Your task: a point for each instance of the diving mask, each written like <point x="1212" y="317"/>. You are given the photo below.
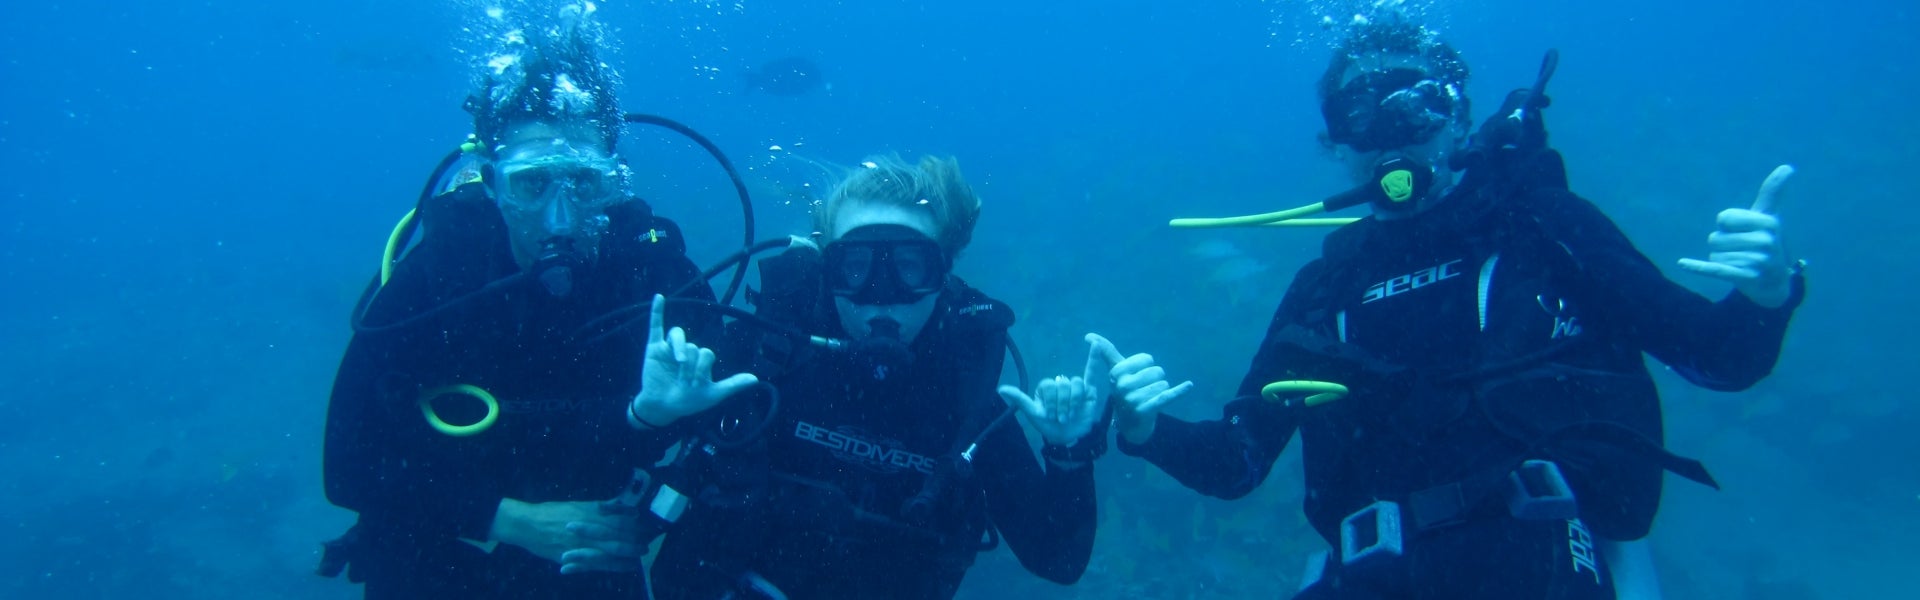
<point x="586" y="180"/>
<point x="554" y="198"/>
<point x="885" y="264"/>
<point x="1394" y="108"/>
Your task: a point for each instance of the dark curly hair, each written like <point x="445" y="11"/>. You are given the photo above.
<point x="1395" y="35"/>
<point x="557" y="77"/>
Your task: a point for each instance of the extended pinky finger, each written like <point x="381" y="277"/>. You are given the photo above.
<point x="1716" y="270"/>
<point x="1167" y="396"/>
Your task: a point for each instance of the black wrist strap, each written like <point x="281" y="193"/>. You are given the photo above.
<point x="633" y="412"/>
<point x="1088" y="448"/>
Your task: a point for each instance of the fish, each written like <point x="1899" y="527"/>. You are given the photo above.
<point x="1215" y="249"/>
<point x="388" y="56"/>
<point x="1236" y="270"/>
<point x="158" y="457"/>
<point x="1231" y="269"/>
<point x="790" y="77"/>
<point x="1230" y="265"/>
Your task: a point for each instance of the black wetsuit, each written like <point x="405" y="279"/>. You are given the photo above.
<point x="1497" y="327"/>
<point x="561" y="433"/>
<point x="817" y="507"/>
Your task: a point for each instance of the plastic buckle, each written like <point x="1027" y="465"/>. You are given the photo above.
<point x="661" y="500"/>
<point x="1371" y="534"/>
<point x="669" y="504"/>
<point x="636" y="490"/>
<point x="1538" y="491"/>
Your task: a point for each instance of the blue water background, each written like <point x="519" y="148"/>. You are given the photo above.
<point x="193" y="193"/>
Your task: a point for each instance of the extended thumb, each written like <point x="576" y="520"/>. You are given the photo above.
<point x="1019" y="399"/>
<point x="1099" y="346"/>
<point x="739" y="382"/>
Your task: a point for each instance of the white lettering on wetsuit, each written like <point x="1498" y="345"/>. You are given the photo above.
<point x="851" y="448"/>
<point x="1580" y="545"/>
<point x="970" y="310"/>
<point x="549" y="405"/>
<point x="1412" y="281"/>
<point x="1565" y="325"/>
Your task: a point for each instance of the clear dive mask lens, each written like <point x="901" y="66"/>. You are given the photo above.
<point x="1395" y="108"/>
<point x="531" y="185"/>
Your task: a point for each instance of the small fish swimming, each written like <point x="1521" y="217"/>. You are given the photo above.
<point x="394" y="57"/>
<point x="1241" y="275"/>
<point x="1215" y="249"/>
<point x="1236" y="270"/>
<point x="789" y="77"/>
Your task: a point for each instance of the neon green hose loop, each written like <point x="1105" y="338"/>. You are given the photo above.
<point x="1319" y="392"/>
<point x="433" y="418"/>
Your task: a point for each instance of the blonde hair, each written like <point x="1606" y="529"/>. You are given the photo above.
<point x="934" y="186"/>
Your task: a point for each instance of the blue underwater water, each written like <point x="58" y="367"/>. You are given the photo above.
<point x="192" y="195"/>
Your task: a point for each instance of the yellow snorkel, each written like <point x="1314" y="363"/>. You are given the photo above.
<point x="1395" y="181"/>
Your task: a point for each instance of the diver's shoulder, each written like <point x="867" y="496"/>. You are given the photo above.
<point x="1549" y="197"/>
<point x="974" y="309"/>
<point x="466" y="209"/>
<point x="1349" y="239"/>
<point x="636" y="227"/>
<point x="1559" y="205"/>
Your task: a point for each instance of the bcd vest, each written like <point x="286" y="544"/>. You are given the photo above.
<point x="1469" y="344"/>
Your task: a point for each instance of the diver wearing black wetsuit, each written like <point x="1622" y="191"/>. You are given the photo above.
<point x="1500" y="322"/>
<point x="888" y="466"/>
<point x="476" y="422"/>
<point x="1397" y="316"/>
<point x="427" y="499"/>
<point x="849" y="451"/>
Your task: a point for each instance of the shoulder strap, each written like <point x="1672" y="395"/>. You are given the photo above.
<point x="790" y="295"/>
<point x="976" y="312"/>
<point x="652" y="235"/>
<point x="789" y="287"/>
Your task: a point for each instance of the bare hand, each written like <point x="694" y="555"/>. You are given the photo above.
<point x="676" y="379"/>
<point x="1746" y="249"/>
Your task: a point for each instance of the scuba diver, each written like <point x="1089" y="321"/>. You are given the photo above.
<point x="884" y="462"/>
<point x="475" y="438"/>
<point x="1465" y="367"/>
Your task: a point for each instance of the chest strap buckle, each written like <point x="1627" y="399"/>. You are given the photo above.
<point x="1537" y="490"/>
<point x="1371" y="536"/>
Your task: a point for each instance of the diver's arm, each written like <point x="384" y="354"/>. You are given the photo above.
<point x="1047" y="515"/>
<point x="380" y="458"/>
<point x="677" y="358"/>
<point x="377" y="459"/>
<point x="1224" y="458"/>
<point x="1229" y="457"/>
<point x="1727" y="345"/>
<point x="1046" y="512"/>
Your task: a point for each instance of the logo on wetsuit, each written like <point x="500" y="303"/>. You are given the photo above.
<point x="1580" y="545"/>
<point x="1412" y="281"/>
<point x="1565" y="325"/>
<point x="545" y="405"/>
<point x="853" y="446"/>
<point x="970" y="310"/>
